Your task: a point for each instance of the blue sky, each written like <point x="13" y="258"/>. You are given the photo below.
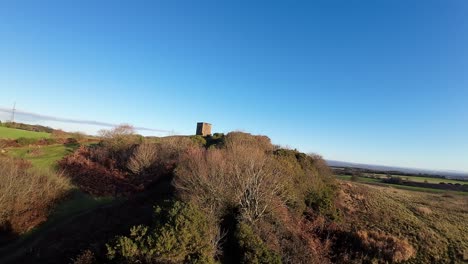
<point x="382" y="82"/>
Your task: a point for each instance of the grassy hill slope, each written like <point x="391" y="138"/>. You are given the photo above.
<point x="435" y="223"/>
<point x="12" y="133"/>
<point x="43" y="157"/>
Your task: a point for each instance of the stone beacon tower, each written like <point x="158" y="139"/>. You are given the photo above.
<point x="203" y="129"/>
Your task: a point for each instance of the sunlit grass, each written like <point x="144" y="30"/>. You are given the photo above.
<point x="13" y="133"/>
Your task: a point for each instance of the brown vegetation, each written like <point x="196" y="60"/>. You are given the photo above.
<point x="239" y="175"/>
<point x="26" y="196"/>
<point x="433" y="224"/>
<point x="264" y="189"/>
<point x="385" y="247"/>
<point x="143" y="158"/>
<point x="120" y="165"/>
<point x="241" y="200"/>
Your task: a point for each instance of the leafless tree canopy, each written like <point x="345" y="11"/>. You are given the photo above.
<point x="118" y="138"/>
<point x="241" y="175"/>
<point x="144" y="156"/>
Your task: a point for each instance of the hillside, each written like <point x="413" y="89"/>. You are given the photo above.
<point x="435" y="223"/>
<point x="232" y="198"/>
<point x="13" y="133"/>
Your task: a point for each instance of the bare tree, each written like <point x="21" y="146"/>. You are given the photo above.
<point x="241" y="175"/>
<point x="143" y="158"/>
<point x="118" y="138"/>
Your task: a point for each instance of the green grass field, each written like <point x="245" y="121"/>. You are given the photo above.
<point x="421" y="179"/>
<point x="374" y="181"/>
<point x="42" y="157"/>
<point x="12" y="133"/>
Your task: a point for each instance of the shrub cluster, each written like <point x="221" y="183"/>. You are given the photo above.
<point x="251" y="249"/>
<point x="121" y="164"/>
<point x="26" y="195"/>
<point x="262" y="188"/>
<point x="181" y="234"/>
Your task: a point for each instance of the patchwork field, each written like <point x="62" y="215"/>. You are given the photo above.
<point x="379" y="182"/>
<point x="420" y="179"/>
<point x="12" y="133"/>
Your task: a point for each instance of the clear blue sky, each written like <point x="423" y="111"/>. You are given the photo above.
<point x="382" y="82"/>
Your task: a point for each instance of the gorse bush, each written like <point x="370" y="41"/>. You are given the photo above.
<point x="312" y="181"/>
<point x="199" y="140"/>
<point x="181" y="234"/>
<point x="251" y="249"/>
<point x="322" y="201"/>
<point x="26" y="195"/>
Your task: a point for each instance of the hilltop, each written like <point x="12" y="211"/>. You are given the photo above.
<point x="233" y="198"/>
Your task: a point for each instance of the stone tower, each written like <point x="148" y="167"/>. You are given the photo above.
<point x="203" y="129"/>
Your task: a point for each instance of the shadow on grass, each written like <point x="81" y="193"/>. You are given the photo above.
<point x="84" y="222"/>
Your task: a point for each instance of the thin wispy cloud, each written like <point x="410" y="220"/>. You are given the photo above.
<point x="36" y="116"/>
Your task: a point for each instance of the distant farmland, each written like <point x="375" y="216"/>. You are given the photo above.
<point x="12" y="133"/>
<point x="420" y="178"/>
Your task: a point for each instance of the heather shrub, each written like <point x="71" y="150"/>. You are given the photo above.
<point x="26" y="195"/>
<point x="181" y="234"/>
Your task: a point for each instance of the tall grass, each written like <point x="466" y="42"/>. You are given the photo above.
<point x="27" y="195"/>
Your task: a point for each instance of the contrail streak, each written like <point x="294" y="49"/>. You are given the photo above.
<point x="74" y="121"/>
